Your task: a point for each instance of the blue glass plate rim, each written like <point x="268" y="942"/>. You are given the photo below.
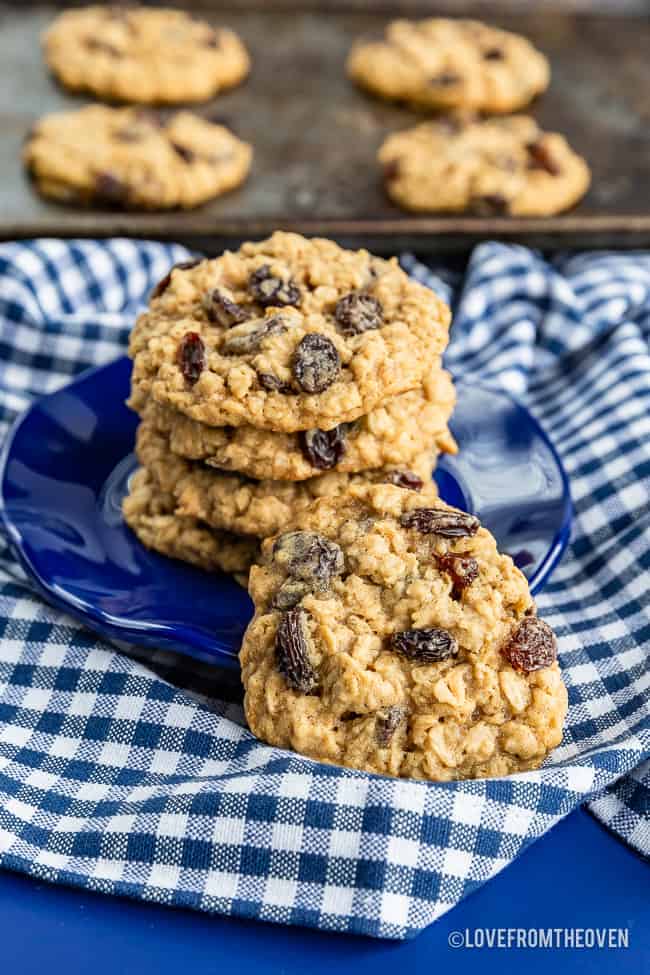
<point x="563" y="534"/>
<point x="125" y="630"/>
<point x="118" y="629"/>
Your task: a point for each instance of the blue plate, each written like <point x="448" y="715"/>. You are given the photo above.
<point x="64" y="471"/>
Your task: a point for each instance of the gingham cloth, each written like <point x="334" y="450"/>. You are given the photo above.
<point x="113" y="779"/>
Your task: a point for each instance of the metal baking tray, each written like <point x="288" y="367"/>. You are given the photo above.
<point x="315" y="135"/>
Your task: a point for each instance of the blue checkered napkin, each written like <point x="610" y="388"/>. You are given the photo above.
<point x="113" y="779"/>
<point x="625" y="808"/>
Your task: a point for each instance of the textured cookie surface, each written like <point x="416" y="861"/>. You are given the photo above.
<point x="131" y="158"/>
<point x="497" y="166"/>
<point x="235" y="503"/>
<point x="145" y="55"/>
<point x="150" y="513"/>
<point x="403" y="428"/>
<point x="395" y="638"/>
<point x="441" y="64"/>
<point x="286" y="334"/>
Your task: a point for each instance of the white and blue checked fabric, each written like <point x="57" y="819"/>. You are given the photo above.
<point x="114" y="779"/>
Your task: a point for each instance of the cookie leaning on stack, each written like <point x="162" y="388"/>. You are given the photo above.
<point x="390" y="635"/>
<point x="269" y="377"/>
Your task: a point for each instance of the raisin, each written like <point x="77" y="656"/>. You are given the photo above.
<point x="490" y="205"/>
<point x="391" y="170"/>
<point x="289" y="594"/>
<point x="267" y="289"/>
<point x="164" y="283"/>
<point x="531" y="645"/>
<point x="292" y="644"/>
<point x="323" y="448"/>
<point x="446" y="522"/>
<point x="356" y="313"/>
<point x="463" y="570"/>
<point x="522" y="558"/>
<point x="222" y="310"/>
<point x="110" y="189"/>
<point x="387" y="722"/>
<point x="271" y="383"/>
<point x="187" y="155"/>
<point x="445" y="79"/>
<point x="541" y="158"/>
<point x="426" y="646"/>
<point x="493" y="54"/>
<point x="310" y="558"/>
<point x="246" y="338"/>
<point x="405" y="479"/>
<point x="316" y="363"/>
<point x="191" y="357"/>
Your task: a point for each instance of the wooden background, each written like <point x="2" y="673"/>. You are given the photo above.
<point x="315" y="136"/>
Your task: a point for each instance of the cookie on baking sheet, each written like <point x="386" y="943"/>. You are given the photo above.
<point x="491" y="167"/>
<point x="236" y="503"/>
<point x="390" y="635"/>
<point x="286" y="334"/>
<point x="140" y="54"/>
<point x="394" y="433"/>
<point x="131" y="158"/>
<point x="150" y="514"/>
<point x="442" y="64"/>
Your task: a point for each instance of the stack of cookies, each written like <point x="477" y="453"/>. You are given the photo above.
<point x="267" y="378"/>
<point x="292" y="406"/>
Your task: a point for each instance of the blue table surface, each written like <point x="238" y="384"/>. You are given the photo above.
<point x="578" y="875"/>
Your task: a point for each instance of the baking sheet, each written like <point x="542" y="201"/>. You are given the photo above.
<point x="316" y="136"/>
